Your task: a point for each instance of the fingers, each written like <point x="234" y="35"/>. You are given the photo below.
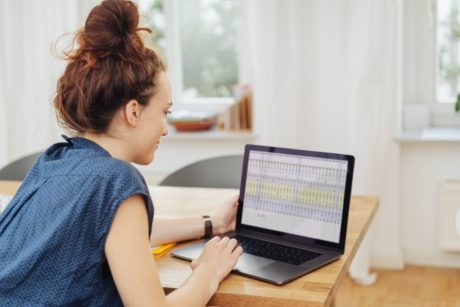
<point x="215" y="239"/>
<point x="224" y="244"/>
<point x="237" y="252"/>
<point x="194" y="263"/>
<point x="217" y="246"/>
<point x="235" y="201"/>
<point x="231" y="245"/>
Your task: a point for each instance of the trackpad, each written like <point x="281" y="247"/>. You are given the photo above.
<point x="246" y="263"/>
<point x="250" y="263"/>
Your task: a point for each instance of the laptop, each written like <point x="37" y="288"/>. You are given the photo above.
<point x="292" y="214"/>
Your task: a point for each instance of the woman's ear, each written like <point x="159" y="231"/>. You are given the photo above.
<point x="132" y="112"/>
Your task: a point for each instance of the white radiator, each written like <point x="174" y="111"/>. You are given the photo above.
<point x="449" y="215"/>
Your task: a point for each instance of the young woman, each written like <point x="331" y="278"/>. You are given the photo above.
<point x="77" y="231"/>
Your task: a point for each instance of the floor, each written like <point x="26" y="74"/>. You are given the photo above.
<point x="413" y="286"/>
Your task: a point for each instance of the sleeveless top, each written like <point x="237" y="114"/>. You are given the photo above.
<point x="52" y="234"/>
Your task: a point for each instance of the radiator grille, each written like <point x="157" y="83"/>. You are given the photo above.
<point x="449" y="208"/>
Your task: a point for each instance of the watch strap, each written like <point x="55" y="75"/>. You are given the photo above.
<point x="207" y="226"/>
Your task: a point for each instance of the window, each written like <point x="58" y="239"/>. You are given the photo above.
<point x="430" y="61"/>
<point x="199" y="39"/>
<point x="448" y="51"/>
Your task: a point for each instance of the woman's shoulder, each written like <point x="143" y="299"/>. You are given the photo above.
<point x="111" y="170"/>
<point x="111" y="166"/>
<point x="79" y="163"/>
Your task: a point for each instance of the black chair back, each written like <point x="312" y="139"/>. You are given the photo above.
<point x="218" y="172"/>
<point x="17" y="170"/>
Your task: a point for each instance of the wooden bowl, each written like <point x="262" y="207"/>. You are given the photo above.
<point x="195" y="125"/>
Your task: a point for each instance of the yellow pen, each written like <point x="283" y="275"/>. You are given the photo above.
<point x="161" y="250"/>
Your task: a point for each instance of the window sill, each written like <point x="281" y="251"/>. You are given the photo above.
<point x="210" y="135"/>
<point x="431" y="134"/>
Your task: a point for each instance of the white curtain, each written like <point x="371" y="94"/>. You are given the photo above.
<point x="324" y="75"/>
<point x="29" y="71"/>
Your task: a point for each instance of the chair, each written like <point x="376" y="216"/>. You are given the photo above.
<point x="218" y="172"/>
<point x="18" y="169"/>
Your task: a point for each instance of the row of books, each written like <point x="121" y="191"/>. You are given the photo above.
<point x="238" y="117"/>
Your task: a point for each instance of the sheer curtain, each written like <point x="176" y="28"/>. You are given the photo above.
<point x="29" y="71"/>
<point x="325" y="77"/>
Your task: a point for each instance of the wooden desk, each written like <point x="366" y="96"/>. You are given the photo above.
<point x="314" y="289"/>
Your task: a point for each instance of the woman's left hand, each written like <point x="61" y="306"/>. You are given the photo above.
<point x="224" y="219"/>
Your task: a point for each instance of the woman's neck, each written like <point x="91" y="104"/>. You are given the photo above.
<point x="116" y="146"/>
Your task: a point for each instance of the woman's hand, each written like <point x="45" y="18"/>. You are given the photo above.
<point x="218" y="258"/>
<point x="224" y="219"/>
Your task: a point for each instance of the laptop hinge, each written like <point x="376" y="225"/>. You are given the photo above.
<point x="255" y="235"/>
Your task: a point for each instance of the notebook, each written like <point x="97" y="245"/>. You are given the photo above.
<point x="292" y="214"/>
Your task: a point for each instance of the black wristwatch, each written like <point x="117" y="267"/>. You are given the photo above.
<point x="207" y="226"/>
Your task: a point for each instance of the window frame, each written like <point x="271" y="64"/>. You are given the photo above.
<point x="175" y="72"/>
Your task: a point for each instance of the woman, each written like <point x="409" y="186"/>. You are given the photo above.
<point x="77" y="231"/>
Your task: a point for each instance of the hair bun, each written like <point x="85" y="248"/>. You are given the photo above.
<point x="111" y="27"/>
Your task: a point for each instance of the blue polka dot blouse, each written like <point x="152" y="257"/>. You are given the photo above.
<point x="53" y="232"/>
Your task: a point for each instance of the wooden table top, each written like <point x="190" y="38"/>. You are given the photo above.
<point x="317" y="288"/>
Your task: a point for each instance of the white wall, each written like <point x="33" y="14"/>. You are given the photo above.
<point x="29" y="71"/>
<point x="419" y="53"/>
<point x="424" y="166"/>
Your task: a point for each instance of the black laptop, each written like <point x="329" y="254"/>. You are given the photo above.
<point x="293" y="212"/>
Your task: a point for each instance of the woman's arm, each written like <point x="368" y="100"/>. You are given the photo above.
<point x="134" y="270"/>
<point x="166" y="230"/>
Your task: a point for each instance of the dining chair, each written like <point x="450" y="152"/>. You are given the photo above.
<point x="216" y="172"/>
<point x="18" y="169"/>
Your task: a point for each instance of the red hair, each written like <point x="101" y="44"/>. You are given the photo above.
<point x="110" y="66"/>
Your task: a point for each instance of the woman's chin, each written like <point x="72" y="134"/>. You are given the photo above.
<point x="144" y="160"/>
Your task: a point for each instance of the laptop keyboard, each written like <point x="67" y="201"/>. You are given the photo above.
<point x="275" y="251"/>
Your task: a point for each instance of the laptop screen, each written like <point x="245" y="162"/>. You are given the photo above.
<point x="298" y="194"/>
